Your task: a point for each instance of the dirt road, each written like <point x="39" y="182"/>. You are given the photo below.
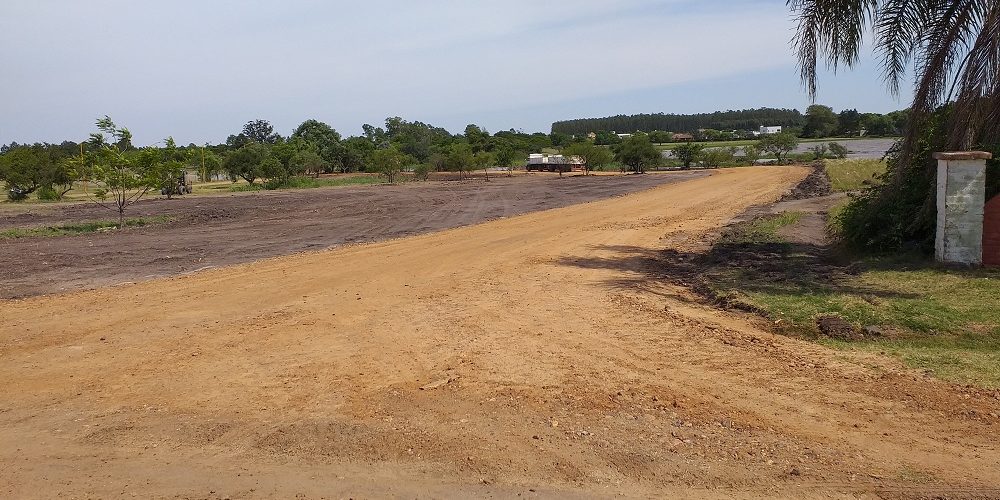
<point x="223" y="230"/>
<point x="530" y="356"/>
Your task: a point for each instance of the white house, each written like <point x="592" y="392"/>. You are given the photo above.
<point x="770" y="130"/>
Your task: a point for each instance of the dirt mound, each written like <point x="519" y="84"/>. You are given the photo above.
<point x="816" y="184"/>
<point x="838" y="328"/>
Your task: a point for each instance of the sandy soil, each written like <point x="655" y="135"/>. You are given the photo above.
<point x="533" y="356"/>
<point x="222" y="230"/>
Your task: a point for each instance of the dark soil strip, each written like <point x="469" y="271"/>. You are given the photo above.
<point x="219" y="231"/>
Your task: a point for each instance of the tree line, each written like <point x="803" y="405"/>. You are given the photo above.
<point x="818" y="121"/>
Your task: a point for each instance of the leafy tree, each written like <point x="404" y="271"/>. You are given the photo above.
<point x="25" y="169"/>
<point x="260" y="131"/>
<point x="356" y="154"/>
<point x="778" y="145"/>
<point x="478" y="138"/>
<point x="877" y="125"/>
<point x="605" y="138"/>
<point x="504" y="156"/>
<point x="560" y="140"/>
<point x="320" y="136"/>
<point x="482" y="160"/>
<point x="819" y="151"/>
<point x="951" y="48"/>
<point x="122" y="180"/>
<point x="838" y="150"/>
<point x="247" y="162"/>
<point x="460" y="159"/>
<point x="716" y="157"/>
<point x="660" y="137"/>
<point x="275" y="172"/>
<point x="751" y="154"/>
<point x="638" y="153"/>
<point x="849" y="122"/>
<point x="591" y="156"/>
<point x="166" y="164"/>
<point x="205" y="161"/>
<point x="389" y="162"/>
<point x="308" y="162"/>
<point x="688" y="153"/>
<point x="821" y="121"/>
<point x="422" y="171"/>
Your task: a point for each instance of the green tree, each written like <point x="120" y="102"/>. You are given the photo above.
<point x="751" y="154"/>
<point x="778" y="145"/>
<point x="167" y="165"/>
<point x="246" y="163"/>
<point x="308" y="162"/>
<point x="460" y="159"/>
<point x="688" y="153"/>
<point x="260" y="131"/>
<point x="389" y="162"/>
<point x="951" y="49"/>
<point x="849" y="122"/>
<point x="716" y="157"/>
<point x="821" y="121"/>
<point x="504" y="156"/>
<point x="320" y="136"/>
<point x="356" y="154"/>
<point x="25" y="169"/>
<point x="591" y="156"/>
<point x="838" y="150"/>
<point x="638" y="153"/>
<point x="122" y="181"/>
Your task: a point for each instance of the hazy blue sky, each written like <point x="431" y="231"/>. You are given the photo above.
<point x="198" y="70"/>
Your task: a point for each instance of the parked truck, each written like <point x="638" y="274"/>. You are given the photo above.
<point x="553" y="163"/>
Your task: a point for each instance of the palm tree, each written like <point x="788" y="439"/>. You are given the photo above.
<point x="953" y="47"/>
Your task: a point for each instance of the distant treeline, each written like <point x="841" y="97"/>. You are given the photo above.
<point x="746" y="119"/>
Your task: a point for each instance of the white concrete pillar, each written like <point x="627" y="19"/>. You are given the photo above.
<point x="961" y="196"/>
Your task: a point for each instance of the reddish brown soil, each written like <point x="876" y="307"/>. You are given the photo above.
<point x="222" y="230"/>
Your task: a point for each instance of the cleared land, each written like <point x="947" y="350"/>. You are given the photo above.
<point x="205" y="232"/>
<point x="540" y="355"/>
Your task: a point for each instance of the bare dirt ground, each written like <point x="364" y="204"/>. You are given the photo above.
<point x="535" y="356"/>
<point x="222" y="230"/>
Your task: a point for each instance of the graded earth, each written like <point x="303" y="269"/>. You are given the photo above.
<point x="539" y="355"/>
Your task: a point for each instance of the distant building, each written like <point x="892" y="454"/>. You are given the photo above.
<point x="770" y="130"/>
<point x="624" y="136"/>
<point x="592" y="136"/>
<point x="682" y="137"/>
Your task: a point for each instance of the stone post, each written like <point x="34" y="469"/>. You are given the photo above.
<point x="961" y="196"/>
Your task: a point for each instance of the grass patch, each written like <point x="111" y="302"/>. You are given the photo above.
<point x="310" y="183"/>
<point x="78" y="228"/>
<point x="931" y="317"/>
<point x="761" y="229"/>
<point x="853" y="175"/>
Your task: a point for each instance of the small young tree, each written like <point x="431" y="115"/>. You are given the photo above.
<point x="389" y="162"/>
<point x="778" y="144"/>
<point x="688" y="153"/>
<point x="751" y="154"/>
<point x="716" y="157"/>
<point x="638" y="153"/>
<point x="819" y="151"/>
<point x="838" y="150"/>
<point x="460" y="159"/>
<point x="504" y="158"/>
<point x="483" y="160"/>
<point x="590" y="155"/>
<point x="122" y="180"/>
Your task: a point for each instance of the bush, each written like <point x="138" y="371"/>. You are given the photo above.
<point x="422" y="171"/>
<point x="48" y="193"/>
<point x="838" y="150"/>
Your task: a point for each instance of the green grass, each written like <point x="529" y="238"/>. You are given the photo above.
<point x="310" y="183"/>
<point x="78" y="228"/>
<point x="761" y="229"/>
<point x="853" y="175"/>
<point x="936" y="318"/>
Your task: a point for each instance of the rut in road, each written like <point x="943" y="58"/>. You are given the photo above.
<point x="487" y="359"/>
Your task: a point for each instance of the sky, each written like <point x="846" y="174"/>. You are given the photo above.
<point x="199" y="70"/>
